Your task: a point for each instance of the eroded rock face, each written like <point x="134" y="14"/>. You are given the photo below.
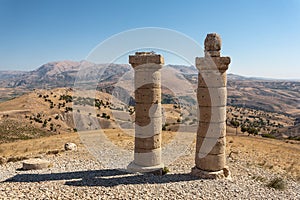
<point x="70" y="146"/>
<point x="36" y="163"/>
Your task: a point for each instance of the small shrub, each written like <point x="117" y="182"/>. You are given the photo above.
<point x="45" y="123"/>
<point x="277" y="183"/>
<point x="53" y="152"/>
<point x="165" y="170"/>
<point x="67" y="109"/>
<point x="51" y="127"/>
<point x="294" y="138"/>
<point x="268" y="135"/>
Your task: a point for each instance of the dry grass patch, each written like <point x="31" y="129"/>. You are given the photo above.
<point x="125" y="138"/>
<point x="270" y="154"/>
<point x="38" y="146"/>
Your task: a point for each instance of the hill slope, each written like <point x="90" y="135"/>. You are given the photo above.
<point x="269" y="95"/>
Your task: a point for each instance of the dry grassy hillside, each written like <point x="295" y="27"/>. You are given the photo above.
<point x="280" y="96"/>
<point x="44" y="112"/>
<point x="274" y="96"/>
<point x="260" y="122"/>
<point x="48" y="112"/>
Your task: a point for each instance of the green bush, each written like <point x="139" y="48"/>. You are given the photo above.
<point x="294" y="138"/>
<point x="252" y="130"/>
<point x="268" y="135"/>
<point x="165" y="170"/>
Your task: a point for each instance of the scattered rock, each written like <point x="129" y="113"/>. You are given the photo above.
<point x="226" y="172"/>
<point x="36" y="163"/>
<point x="2" y="160"/>
<point x="70" y="146"/>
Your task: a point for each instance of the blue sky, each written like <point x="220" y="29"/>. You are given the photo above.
<point x="261" y="37"/>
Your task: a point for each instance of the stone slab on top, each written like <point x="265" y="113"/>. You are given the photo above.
<point x="141" y="58"/>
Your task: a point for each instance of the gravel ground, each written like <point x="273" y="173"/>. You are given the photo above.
<point x="77" y="175"/>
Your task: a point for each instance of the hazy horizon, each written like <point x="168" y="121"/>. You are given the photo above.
<point x="174" y="64"/>
<point x="261" y="37"/>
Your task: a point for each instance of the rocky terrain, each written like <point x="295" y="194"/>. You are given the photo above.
<point x="258" y="174"/>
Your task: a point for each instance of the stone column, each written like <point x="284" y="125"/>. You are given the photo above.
<point x="210" y="156"/>
<point x="148" y="116"/>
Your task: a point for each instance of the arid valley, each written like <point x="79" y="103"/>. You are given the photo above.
<point x="39" y="113"/>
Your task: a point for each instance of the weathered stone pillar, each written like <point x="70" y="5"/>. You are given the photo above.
<point x="210" y="156"/>
<point x="148" y="116"/>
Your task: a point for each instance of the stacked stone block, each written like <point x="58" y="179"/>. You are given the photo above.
<point x="210" y="156"/>
<point x="148" y="115"/>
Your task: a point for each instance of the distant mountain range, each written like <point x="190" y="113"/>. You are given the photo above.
<point x="259" y="93"/>
<point x="58" y="74"/>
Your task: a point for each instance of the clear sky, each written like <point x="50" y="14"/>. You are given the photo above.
<point x="261" y="36"/>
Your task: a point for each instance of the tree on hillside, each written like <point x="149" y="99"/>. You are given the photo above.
<point x="235" y="124"/>
<point x="244" y="128"/>
<point x="252" y="130"/>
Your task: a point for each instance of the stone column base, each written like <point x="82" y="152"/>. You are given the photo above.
<point x="157" y="169"/>
<point x="222" y="174"/>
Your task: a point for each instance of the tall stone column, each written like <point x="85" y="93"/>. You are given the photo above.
<point x="210" y="156"/>
<point x="148" y="116"/>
